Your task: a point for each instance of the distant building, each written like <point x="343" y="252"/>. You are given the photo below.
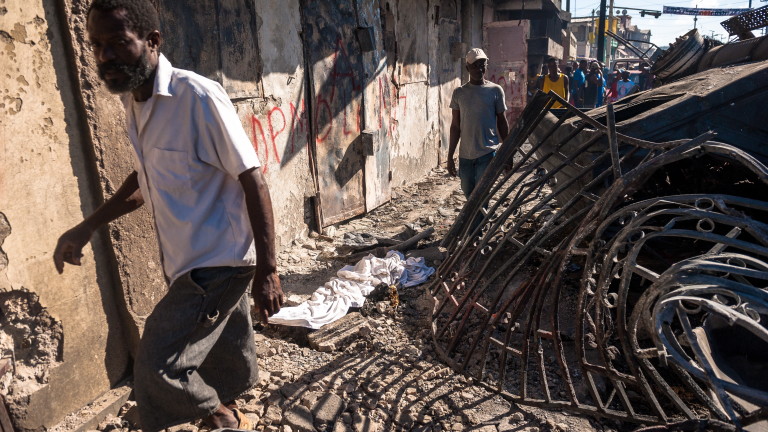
<point x="548" y="24"/>
<point x="640" y="38"/>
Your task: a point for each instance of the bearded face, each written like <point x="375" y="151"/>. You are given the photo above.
<point x="120" y="77"/>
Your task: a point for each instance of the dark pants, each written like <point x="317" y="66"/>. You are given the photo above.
<point x="470" y="173"/>
<point x="471" y="170"/>
<point x="197" y="349"/>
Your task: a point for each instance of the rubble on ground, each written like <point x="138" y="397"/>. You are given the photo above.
<point x="387" y="378"/>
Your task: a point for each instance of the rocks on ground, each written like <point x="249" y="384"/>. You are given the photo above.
<point x="387" y="377"/>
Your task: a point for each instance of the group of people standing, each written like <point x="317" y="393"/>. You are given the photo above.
<point x="584" y="84"/>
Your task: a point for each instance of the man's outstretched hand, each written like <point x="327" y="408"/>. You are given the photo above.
<point x="267" y="294"/>
<point x="69" y="249"/>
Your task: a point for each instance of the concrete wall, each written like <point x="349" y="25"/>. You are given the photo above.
<point x="63" y="332"/>
<point x="64" y="149"/>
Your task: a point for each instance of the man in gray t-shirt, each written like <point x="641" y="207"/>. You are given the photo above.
<point x="478" y="120"/>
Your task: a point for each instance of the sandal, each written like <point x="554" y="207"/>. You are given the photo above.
<point x="243" y="422"/>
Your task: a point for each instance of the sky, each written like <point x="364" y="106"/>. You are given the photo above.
<point x="666" y="28"/>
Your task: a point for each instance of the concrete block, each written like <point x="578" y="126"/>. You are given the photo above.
<point x="338" y="334"/>
<point x="328" y="408"/>
<point x="300" y="419"/>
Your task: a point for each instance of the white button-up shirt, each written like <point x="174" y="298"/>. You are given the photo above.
<point x="190" y="148"/>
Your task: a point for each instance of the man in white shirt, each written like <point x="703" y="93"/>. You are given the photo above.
<point x="198" y="173"/>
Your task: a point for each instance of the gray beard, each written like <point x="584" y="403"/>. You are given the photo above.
<point x="137" y="74"/>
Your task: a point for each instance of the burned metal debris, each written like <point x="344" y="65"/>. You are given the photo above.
<point x="612" y="276"/>
<point x="693" y="53"/>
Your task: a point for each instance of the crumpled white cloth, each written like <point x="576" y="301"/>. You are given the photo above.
<point x="349" y="289"/>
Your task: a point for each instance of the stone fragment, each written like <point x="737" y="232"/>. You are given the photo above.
<point x="340" y="426"/>
<point x="338" y="334"/>
<point x="300" y="419"/>
<point x="328" y="408"/>
<point x="264" y="378"/>
<point x="309" y="399"/>
<point x="273" y="416"/>
<point x="293" y="390"/>
<point x="361" y="422"/>
<point x="187" y="427"/>
<point x="254" y="406"/>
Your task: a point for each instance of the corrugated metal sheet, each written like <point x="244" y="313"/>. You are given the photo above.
<point x="336" y="84"/>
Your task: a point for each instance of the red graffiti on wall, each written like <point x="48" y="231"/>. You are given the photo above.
<point x="342" y="85"/>
<point x="277" y="124"/>
<point x="389" y="92"/>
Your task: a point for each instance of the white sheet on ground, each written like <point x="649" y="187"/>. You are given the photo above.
<point x="349" y="289"/>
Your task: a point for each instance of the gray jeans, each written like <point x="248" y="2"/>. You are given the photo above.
<point x="197" y="348"/>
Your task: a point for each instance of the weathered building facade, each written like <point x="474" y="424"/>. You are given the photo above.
<point x="343" y="100"/>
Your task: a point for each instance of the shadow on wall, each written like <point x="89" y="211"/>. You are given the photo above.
<point x="219" y="40"/>
<point x="81" y="154"/>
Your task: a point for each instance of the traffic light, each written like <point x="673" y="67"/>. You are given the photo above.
<point x="654" y="14"/>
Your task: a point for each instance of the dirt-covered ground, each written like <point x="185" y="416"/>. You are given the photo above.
<point x="388" y="378"/>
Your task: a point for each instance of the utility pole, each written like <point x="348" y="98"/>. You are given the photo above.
<point x="601" y="33"/>
<point x="594" y="35"/>
<point x="610" y="24"/>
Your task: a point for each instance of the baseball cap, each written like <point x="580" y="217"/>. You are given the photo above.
<point x="475" y="54"/>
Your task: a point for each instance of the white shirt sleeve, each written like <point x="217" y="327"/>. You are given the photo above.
<point x="227" y="146"/>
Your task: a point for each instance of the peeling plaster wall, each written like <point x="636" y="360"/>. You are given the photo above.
<point x="279" y="123"/>
<point x="415" y="112"/>
<point x="132" y="238"/>
<point x="62" y="331"/>
<point x="64" y="150"/>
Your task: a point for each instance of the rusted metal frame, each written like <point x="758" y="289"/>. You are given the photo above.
<point x="608" y="256"/>
<point x="635" y="177"/>
<point x="527" y="333"/>
<point x="631" y="47"/>
<point x="627" y="338"/>
<point x="613" y="144"/>
<point x="690" y="234"/>
<point x="518" y="296"/>
<point x="555" y="323"/>
<point x="519" y="135"/>
<point x="528" y="250"/>
<point x="581" y="408"/>
<point x="746" y="159"/>
<point x="513" y="321"/>
<point x="513" y="318"/>
<point x="510" y="322"/>
<point x="682" y="316"/>
<point x="639" y="379"/>
<point x="511" y="208"/>
<point x="536" y="316"/>
<point x="621" y="137"/>
<point x="493" y="171"/>
<point x="631" y="345"/>
<point x="705" y="371"/>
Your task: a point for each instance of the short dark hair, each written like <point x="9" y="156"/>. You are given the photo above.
<point x="142" y="15"/>
<point x="551" y="59"/>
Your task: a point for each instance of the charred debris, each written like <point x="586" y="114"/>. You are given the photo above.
<point x="621" y="265"/>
